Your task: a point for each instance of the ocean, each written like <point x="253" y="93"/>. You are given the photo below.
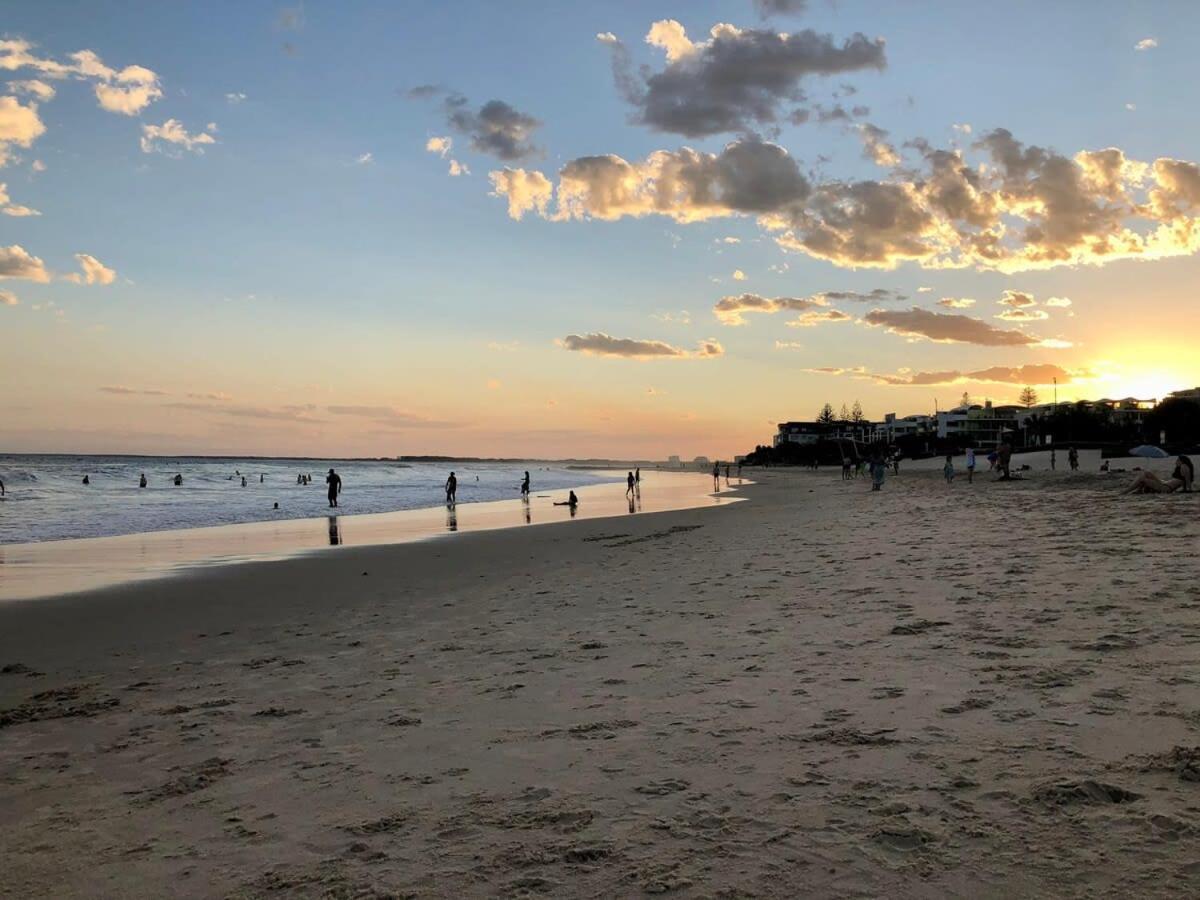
<point x="46" y="500"/>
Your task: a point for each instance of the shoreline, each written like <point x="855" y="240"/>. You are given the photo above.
<point x="44" y="569"/>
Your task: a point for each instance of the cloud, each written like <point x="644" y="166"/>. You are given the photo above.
<point x="35" y="88"/>
<point x="957" y="302"/>
<point x="1016" y="299"/>
<point x="734" y="81"/>
<point x="389" y="417"/>
<point x="11" y="209"/>
<point x="298" y="414"/>
<point x="234" y="98"/>
<point x="219" y="396"/>
<point x="812" y="317"/>
<point x="364" y="159"/>
<point x="768" y="8"/>
<point x="439" y="145"/>
<point x="1060" y="302"/>
<point x="122" y="389"/>
<point x="601" y="344"/>
<point x="496" y="128"/>
<point x="8" y="298"/>
<point x="1023" y="315"/>
<point x="875" y="295"/>
<point x="746" y="177"/>
<point x="1034" y="374"/>
<point x="945" y="328"/>
<point x="171" y="137"/>
<point x="738" y="275"/>
<point x="129" y="91"/>
<point x="732" y="310"/>
<point x="20" y="125"/>
<point x="456" y="169"/>
<point x="94" y="271"/>
<point x="876" y="147"/>
<point x="526" y="191"/>
<point x="1145" y="44"/>
<point x="17" y="262"/>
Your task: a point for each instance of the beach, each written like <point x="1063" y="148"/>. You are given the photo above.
<point x="984" y="690"/>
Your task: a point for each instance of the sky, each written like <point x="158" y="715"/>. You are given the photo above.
<point x="623" y="229"/>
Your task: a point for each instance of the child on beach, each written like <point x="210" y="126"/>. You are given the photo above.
<point x="970" y="465"/>
<point x="948" y="469"/>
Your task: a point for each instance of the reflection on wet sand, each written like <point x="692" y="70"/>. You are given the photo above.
<point x="58" y="567"/>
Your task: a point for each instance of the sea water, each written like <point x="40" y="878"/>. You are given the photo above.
<point x="46" y="499"/>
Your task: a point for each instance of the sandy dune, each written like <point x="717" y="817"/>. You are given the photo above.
<point x="979" y="690"/>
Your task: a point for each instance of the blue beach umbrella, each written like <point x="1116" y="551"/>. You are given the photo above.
<point x="1149" y="452"/>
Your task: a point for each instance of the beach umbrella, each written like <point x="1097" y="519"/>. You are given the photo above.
<point x="1149" y="452"/>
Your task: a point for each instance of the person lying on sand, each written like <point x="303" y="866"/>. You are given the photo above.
<point x="1149" y="483"/>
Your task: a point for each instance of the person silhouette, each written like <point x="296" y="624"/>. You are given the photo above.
<point x="629" y="483"/>
<point x="142" y="481"/>
<point x="716" y="476"/>
<point x="86" y="480"/>
<point x="243" y="481"/>
<point x="525" y="487"/>
<point x="451" y="489"/>
<point x="572" y="501"/>
<point x="335" y="486"/>
<point x="177" y="480"/>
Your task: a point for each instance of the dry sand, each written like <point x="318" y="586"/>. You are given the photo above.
<point x="983" y="690"/>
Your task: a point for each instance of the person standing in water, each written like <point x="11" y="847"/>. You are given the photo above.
<point x="451" y="489"/>
<point x="243" y="481"/>
<point x="86" y="480"/>
<point x="525" y="487"/>
<point x="335" y="486"/>
<point x="717" y="476"/>
<point x="629" y="483"/>
<point x="178" y="479"/>
<point x="142" y="481"/>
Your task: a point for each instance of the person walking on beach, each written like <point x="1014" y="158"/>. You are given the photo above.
<point x="1053" y="459"/>
<point x="451" y="489"/>
<point x="845" y="468"/>
<point x="717" y="476"/>
<point x="334" y="480"/>
<point x="878" y="471"/>
<point x="948" y="469"/>
<point x="525" y="487"/>
<point x="970" y="465"/>
<point x="629" y="483"/>
<point x="637" y="476"/>
<point x="1073" y="459"/>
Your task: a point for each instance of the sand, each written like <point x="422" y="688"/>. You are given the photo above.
<point x="983" y="690"/>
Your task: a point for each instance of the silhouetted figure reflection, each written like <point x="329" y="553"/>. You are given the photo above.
<point x="451" y="518"/>
<point x="632" y="507"/>
<point x="335" y="534"/>
<point x="528" y="511"/>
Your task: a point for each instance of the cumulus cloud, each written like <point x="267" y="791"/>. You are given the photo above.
<point x="945" y="328"/>
<point x="601" y="344"/>
<point x="496" y="128"/>
<point x="35" y="88"/>
<point x="746" y="177"/>
<point x="525" y="191"/>
<point x="8" y="298"/>
<point x="812" y="317"/>
<point x="17" y="262"/>
<point x="876" y="147"/>
<point x="956" y="302"/>
<point x="1145" y="44"/>
<point x="1024" y="207"/>
<point x="1016" y="299"/>
<point x="439" y="145"/>
<point x="8" y="208"/>
<point x="738" y="275"/>
<point x="172" y="138"/>
<point x="94" y="271"/>
<point x="1060" y="302"/>
<point x="126" y="91"/>
<point x="1023" y="315"/>
<point x="733" y="309"/>
<point x="20" y="126"/>
<point x="735" y="80"/>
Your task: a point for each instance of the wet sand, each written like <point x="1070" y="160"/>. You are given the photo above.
<point x="972" y="691"/>
<point x="51" y="568"/>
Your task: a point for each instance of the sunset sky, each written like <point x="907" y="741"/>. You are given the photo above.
<point x="582" y="229"/>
